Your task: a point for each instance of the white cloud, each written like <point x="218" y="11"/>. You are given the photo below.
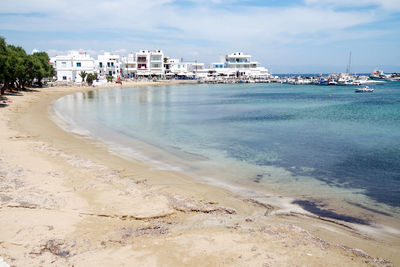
<point x="390" y="5"/>
<point x="201" y="21"/>
<point x="205" y="26"/>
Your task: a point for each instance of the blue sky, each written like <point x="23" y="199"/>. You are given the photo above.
<point x="284" y="36"/>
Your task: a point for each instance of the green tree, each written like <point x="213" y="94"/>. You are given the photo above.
<point x="90" y="78"/>
<point x="109" y="78"/>
<point x="14" y="64"/>
<point x="83" y="75"/>
<point x="31" y="65"/>
<point x="43" y="67"/>
<point x="20" y="59"/>
<point x="18" y="69"/>
<point x="3" y="57"/>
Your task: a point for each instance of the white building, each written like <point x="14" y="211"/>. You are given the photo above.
<point x="239" y="64"/>
<point x="239" y="60"/>
<point x="144" y="63"/>
<point x="68" y="67"/>
<point x="150" y="63"/>
<point x="109" y="65"/>
<point x="129" y="65"/>
<point x="188" y="69"/>
<point x="178" y="67"/>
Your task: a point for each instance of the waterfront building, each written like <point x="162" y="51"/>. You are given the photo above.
<point x="109" y="65"/>
<point x="150" y="63"/>
<point x="178" y="67"/>
<point x="239" y="64"/>
<point x="196" y="66"/>
<point x="217" y="65"/>
<point x="239" y="60"/>
<point x="68" y="67"/>
<point x="129" y="65"/>
<point x="186" y="69"/>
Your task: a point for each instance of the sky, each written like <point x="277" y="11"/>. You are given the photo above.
<point x="308" y="36"/>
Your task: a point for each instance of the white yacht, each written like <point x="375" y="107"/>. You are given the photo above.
<point x="365" y="89"/>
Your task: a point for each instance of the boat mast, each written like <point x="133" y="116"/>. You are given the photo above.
<point x="349" y="65"/>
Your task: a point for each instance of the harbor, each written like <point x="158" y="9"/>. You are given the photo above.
<point x="340" y="79"/>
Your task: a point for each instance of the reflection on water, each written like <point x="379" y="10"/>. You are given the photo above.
<point x="308" y="141"/>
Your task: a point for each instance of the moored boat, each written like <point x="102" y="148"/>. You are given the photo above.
<point x="365" y="89"/>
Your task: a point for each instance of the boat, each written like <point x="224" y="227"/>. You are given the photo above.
<point x="365" y="89"/>
<point x="332" y="82"/>
<point x="377" y="74"/>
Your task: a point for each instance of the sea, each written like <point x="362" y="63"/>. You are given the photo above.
<point x="333" y="152"/>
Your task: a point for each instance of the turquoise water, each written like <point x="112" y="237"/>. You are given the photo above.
<point x="310" y="142"/>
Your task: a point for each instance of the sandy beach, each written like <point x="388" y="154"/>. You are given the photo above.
<point x="65" y="200"/>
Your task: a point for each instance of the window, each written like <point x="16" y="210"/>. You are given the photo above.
<point x="110" y="73"/>
<point x="142" y="59"/>
<point x="113" y="72"/>
<point x="112" y="64"/>
<point x="108" y="64"/>
<point x="101" y="64"/>
<point x="64" y="64"/>
<point x="64" y="78"/>
<point x="78" y="64"/>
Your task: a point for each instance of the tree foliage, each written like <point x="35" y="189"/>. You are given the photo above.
<point x="83" y="75"/>
<point x="90" y="78"/>
<point x="19" y="69"/>
<point x="109" y="78"/>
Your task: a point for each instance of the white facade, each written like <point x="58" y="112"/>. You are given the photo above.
<point x="239" y="60"/>
<point x="239" y="64"/>
<point x="68" y="67"/>
<point x="178" y="68"/>
<point x="129" y="65"/>
<point x="109" y="65"/>
<point x="150" y="63"/>
<point x="188" y="69"/>
<point x="144" y="63"/>
<point x="157" y="62"/>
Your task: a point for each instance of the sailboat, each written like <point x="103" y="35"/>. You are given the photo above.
<point x="348" y="66"/>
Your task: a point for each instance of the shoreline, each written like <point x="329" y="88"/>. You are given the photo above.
<point x="314" y="196"/>
<point x="98" y="190"/>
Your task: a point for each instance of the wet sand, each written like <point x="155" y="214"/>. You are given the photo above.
<point x="66" y="200"/>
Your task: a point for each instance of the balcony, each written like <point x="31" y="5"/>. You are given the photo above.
<point x="238" y="61"/>
<point x="157" y="58"/>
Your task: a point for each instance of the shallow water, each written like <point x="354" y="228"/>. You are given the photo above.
<point x="307" y="142"/>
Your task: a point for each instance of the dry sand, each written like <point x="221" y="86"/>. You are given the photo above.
<point x="65" y="201"/>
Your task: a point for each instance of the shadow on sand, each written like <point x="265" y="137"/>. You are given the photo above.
<point x="318" y="209"/>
